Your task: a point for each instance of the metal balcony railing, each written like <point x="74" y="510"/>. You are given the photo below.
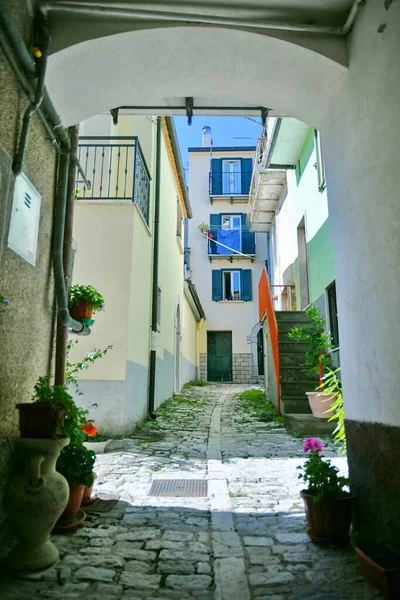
<point x="228" y="183"/>
<point x="117" y="170"/>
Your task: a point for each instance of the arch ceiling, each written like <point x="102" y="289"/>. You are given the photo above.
<point x="214" y="65"/>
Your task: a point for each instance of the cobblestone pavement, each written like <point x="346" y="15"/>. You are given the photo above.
<point x="246" y="540"/>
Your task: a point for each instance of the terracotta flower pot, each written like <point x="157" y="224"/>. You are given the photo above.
<point x="319" y="404"/>
<point x="81" y="310"/>
<point x="87" y="492"/>
<point x="38" y="420"/>
<point x="74" y="502"/>
<point x="383" y="570"/>
<point x="329" y="519"/>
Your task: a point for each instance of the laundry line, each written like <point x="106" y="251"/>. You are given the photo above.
<point x="233" y="250"/>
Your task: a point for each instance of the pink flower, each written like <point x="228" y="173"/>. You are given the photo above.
<point x="313" y="444"/>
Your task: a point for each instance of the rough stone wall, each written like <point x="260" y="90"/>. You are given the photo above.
<point x="242" y="367"/>
<point x="26" y="327"/>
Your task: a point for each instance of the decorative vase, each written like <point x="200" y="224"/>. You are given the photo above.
<point x="329" y="519"/>
<point x="74" y="502"/>
<point x="35" y="499"/>
<point x="81" y="310"/>
<point x="382" y="571"/>
<point x="319" y="404"/>
<point x="37" y="420"/>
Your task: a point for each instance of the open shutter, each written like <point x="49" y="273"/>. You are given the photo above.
<point x="215" y="224"/>
<point x="246" y="285"/>
<point x="216" y="177"/>
<point x="248" y="238"/>
<point x="247" y="169"/>
<point x="216" y="285"/>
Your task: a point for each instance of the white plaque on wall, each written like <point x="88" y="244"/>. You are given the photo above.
<point x="24" y="224"/>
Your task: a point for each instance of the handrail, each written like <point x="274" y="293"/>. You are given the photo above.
<point x="266" y="311"/>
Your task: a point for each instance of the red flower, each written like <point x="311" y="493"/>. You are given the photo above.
<point x="89" y="429"/>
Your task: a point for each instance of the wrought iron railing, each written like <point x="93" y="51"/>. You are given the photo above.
<point x="117" y="170"/>
<point x="227" y="183"/>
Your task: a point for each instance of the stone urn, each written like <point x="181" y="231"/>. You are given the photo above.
<point x="35" y="499"/>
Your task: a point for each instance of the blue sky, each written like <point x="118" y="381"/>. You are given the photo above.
<point x="225" y="130"/>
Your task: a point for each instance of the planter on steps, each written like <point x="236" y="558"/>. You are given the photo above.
<point x="381" y="567"/>
<point x="319" y="404"/>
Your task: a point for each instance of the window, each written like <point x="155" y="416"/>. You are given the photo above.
<point x="332" y="313"/>
<point x="231" y="222"/>
<point x="231" y="285"/>
<point x="178" y="219"/>
<point x="320" y="165"/>
<point x="231" y="177"/>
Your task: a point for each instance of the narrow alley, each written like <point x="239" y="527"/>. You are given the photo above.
<point x="245" y="539"/>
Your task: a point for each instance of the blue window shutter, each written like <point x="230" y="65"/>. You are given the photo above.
<point x="247" y="169"/>
<point x="215" y="224"/>
<point x="246" y="285"/>
<point x="248" y="238"/>
<point x="216" y="176"/>
<point x="216" y="285"/>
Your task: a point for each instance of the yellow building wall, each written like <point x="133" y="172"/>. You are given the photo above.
<point x="190" y="358"/>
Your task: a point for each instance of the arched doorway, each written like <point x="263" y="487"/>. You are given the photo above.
<point x="257" y="350"/>
<point x="305" y="77"/>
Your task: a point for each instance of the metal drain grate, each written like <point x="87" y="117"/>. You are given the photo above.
<point x="181" y="488"/>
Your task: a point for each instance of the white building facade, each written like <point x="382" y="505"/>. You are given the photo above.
<point x="226" y="262"/>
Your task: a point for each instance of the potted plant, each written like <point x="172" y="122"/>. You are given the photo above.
<point x="332" y="388"/>
<point x="84" y="300"/>
<point x="53" y="412"/>
<point x="203" y="228"/>
<point x="75" y="463"/>
<point x="236" y="295"/>
<point x="328" y="505"/>
<point x="379" y="564"/>
<point x="317" y="342"/>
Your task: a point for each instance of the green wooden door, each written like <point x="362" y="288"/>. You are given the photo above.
<point x="219" y="356"/>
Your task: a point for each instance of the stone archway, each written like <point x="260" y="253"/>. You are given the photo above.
<point x="253" y="340"/>
<point x="356" y="109"/>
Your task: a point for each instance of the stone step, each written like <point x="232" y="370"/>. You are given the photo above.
<point x="307" y="425"/>
<point x="297" y="372"/>
<point x="291" y="359"/>
<point x="289" y="347"/>
<point x="295" y="404"/>
<point x="286" y="326"/>
<point x="297" y="387"/>
<point x="291" y="315"/>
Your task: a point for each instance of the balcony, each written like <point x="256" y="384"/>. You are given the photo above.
<point x="117" y="170"/>
<point x="231" y="244"/>
<point x="229" y="179"/>
<point x="266" y="188"/>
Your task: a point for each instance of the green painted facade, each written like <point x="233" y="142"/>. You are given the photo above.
<point x="321" y="263"/>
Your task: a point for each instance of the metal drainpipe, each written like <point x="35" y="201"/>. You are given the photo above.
<point x="154" y="301"/>
<point x="63" y="172"/>
<point x="50" y="120"/>
<point x="32" y="108"/>
<point x="62" y="331"/>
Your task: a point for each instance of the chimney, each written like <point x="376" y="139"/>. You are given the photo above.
<point x="206" y="137"/>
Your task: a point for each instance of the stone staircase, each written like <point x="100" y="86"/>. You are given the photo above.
<point x="295" y="381"/>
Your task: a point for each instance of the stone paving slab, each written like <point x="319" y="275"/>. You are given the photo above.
<point x="245" y="541"/>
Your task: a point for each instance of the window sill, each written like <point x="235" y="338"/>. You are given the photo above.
<point x="233" y="301"/>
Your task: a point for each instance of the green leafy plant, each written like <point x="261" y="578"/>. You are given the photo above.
<point x="195" y="383"/>
<point x="59" y="397"/>
<point x="317" y="341"/>
<point x="76" y="463"/>
<point x="4" y="303"/>
<point x="88" y="295"/>
<point x="203" y="227"/>
<point x="73" y="369"/>
<point x="331" y="384"/>
<point x="318" y="473"/>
